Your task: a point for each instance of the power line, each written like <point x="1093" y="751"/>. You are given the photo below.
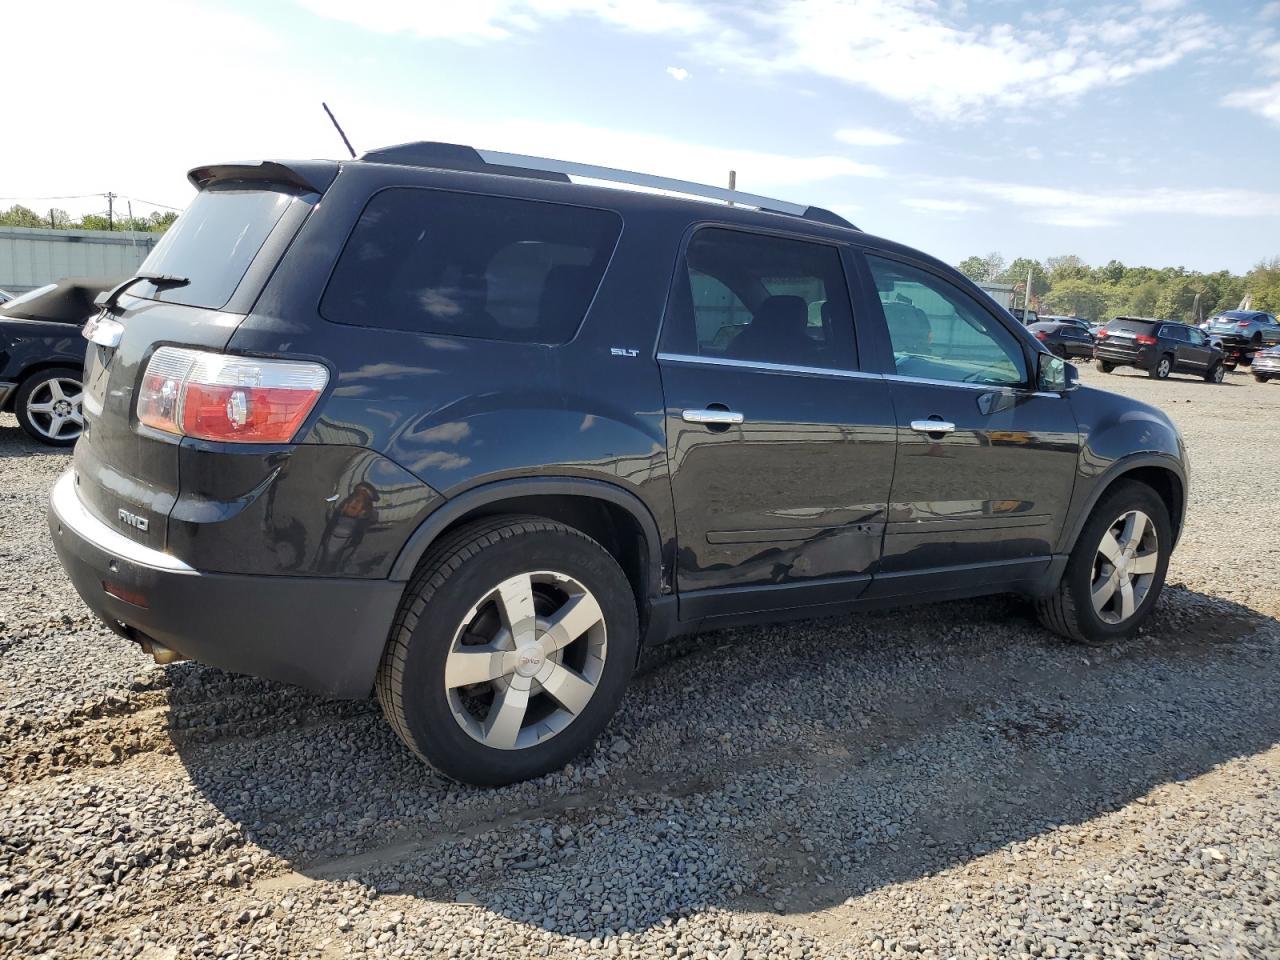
<point x="90" y="196"/>
<point x="80" y="196"/>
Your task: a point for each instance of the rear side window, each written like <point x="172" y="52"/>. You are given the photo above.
<point x="466" y="265"/>
<point x="761" y="299"/>
<point x="212" y="244"/>
<point x="1130" y="326"/>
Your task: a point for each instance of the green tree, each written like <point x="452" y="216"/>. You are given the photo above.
<point x="1017" y="271"/>
<point x="20" y="216"/>
<point x="975" y="268"/>
<point x="1066" y="267"/>
<point x="1078" y="297"/>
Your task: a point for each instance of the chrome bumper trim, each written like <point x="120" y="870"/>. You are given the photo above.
<point x="71" y="513"/>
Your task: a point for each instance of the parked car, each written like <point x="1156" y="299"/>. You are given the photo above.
<point x="42" y="357"/>
<point x="1066" y="340"/>
<point x="1245" y="328"/>
<point x="1160" y="347"/>
<point x="470" y="435"/>
<point x="1025" y="317"/>
<point x="1266" y="364"/>
<point x="1080" y="322"/>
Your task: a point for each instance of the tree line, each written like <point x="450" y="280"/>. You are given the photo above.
<point x="1067" y="285"/>
<point x="20" y="216"/>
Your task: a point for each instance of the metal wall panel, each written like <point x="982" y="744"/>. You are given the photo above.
<point x="30" y="258"/>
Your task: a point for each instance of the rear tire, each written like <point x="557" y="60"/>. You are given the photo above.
<point x="1127" y="590"/>
<point x="1104" y="367"/>
<point x="1261" y="377"/>
<point x="1162" y="368"/>
<point x="488" y="694"/>
<point x="48" y="406"/>
<point x="1215" y="374"/>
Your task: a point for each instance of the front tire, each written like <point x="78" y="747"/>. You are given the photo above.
<point x="48" y="406"/>
<point x="1163" y="367"/>
<point x="1215" y="374"/>
<point x="511" y="651"/>
<point x="1116" y="570"/>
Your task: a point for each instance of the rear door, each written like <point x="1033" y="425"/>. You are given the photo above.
<point x="781" y="448"/>
<point x="127" y="473"/>
<point x="986" y="464"/>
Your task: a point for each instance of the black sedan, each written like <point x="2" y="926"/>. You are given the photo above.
<point x="1065" y="338"/>
<point x="42" y="358"/>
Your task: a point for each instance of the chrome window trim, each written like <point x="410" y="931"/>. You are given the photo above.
<point x="766" y="367"/>
<point x="983" y="387"/>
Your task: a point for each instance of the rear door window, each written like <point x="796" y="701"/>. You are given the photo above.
<point x="469" y="265"/>
<point x="213" y="242"/>
<point x="761" y="299"/>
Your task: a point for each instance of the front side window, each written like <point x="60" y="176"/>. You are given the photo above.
<point x="939" y="332"/>
<point x="1196" y="337"/>
<point x="467" y="265"/>
<point x="761" y="299"/>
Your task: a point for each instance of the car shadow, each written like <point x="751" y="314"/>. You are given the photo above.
<point x="782" y="768"/>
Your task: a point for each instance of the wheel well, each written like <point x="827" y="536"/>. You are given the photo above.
<point x="610" y="525"/>
<point x="1167" y="485"/>
<point x="33" y="369"/>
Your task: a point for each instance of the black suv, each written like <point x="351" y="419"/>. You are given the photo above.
<point x="1160" y="347"/>
<point x="468" y="434"/>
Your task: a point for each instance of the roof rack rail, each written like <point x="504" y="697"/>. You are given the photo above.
<point x="452" y="156"/>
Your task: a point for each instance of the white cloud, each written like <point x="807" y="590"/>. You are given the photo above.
<point x="941" y="206"/>
<point x="1066" y="207"/>
<point x="479" y="21"/>
<point x="910" y="52"/>
<point x="1264" y="101"/>
<point x="1162" y="6"/>
<point x="678" y="73"/>
<point x="868" y="137"/>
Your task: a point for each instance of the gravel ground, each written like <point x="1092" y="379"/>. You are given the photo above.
<point x="936" y="782"/>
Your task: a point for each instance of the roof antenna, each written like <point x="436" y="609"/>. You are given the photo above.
<point x="338" y="127"/>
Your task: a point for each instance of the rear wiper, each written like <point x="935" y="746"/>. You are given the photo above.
<point x="107" y="301"/>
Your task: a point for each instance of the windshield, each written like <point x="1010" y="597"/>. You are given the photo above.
<point x="212" y="244"/>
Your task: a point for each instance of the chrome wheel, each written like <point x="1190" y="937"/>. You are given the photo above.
<point x="53" y="408"/>
<point x="1164" y="368"/>
<point x="526" y="660"/>
<point x="1219" y="373"/>
<point x="1124" y="567"/>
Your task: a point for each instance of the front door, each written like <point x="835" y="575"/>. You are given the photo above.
<point x="781" y="449"/>
<point x="1195" y="353"/>
<point x="985" y="463"/>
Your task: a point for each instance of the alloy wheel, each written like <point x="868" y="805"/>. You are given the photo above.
<point x="1164" y="368"/>
<point x="1124" y="566"/>
<point x="54" y="408"/>
<point x="526" y="660"/>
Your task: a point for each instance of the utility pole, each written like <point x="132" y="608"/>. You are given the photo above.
<point x="52" y="223"/>
<point x="733" y="182"/>
<point x="110" y="210"/>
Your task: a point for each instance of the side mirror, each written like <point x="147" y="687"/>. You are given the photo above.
<point x="1055" y="375"/>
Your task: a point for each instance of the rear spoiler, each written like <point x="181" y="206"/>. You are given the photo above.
<point x="313" y="176"/>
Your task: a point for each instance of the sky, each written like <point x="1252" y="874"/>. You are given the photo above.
<point x="1146" y="131"/>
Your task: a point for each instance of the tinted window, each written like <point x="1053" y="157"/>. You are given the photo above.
<point x="1131" y="326"/>
<point x="1196" y="337"/>
<point x="939" y="332"/>
<point x="212" y="244"/>
<point x="1170" y="332"/>
<point x="471" y="266"/>
<point x="743" y="296"/>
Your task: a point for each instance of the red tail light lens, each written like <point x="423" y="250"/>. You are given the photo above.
<point x="1143" y="338"/>
<point x="1041" y="335"/>
<point x="1242" y="324"/>
<point x="213" y="396"/>
<point x="1101" y="334"/>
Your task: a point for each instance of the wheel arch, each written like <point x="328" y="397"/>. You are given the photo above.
<point x="30" y="370"/>
<point x="1157" y="471"/>
<point x="614" y="517"/>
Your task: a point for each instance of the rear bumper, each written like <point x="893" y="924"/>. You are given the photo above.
<point x="1268" y="365"/>
<point x="1137" y="357"/>
<point x="322" y="633"/>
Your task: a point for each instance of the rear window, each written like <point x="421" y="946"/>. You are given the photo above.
<point x="466" y="265"/>
<point x="1133" y="326"/>
<point x="212" y="244"/>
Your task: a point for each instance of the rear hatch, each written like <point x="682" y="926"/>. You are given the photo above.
<point x="214" y="261"/>
<point x="1119" y="337"/>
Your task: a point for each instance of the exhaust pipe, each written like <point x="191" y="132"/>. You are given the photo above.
<point x="159" y="652"/>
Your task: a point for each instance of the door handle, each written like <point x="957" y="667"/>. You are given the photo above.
<point x="719" y="418"/>
<point x="932" y="426"/>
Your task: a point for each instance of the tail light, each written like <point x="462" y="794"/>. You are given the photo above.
<point x="1041" y="335"/>
<point x="1144" y="339"/>
<point x="213" y="396"/>
<point x="1243" y="324"/>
